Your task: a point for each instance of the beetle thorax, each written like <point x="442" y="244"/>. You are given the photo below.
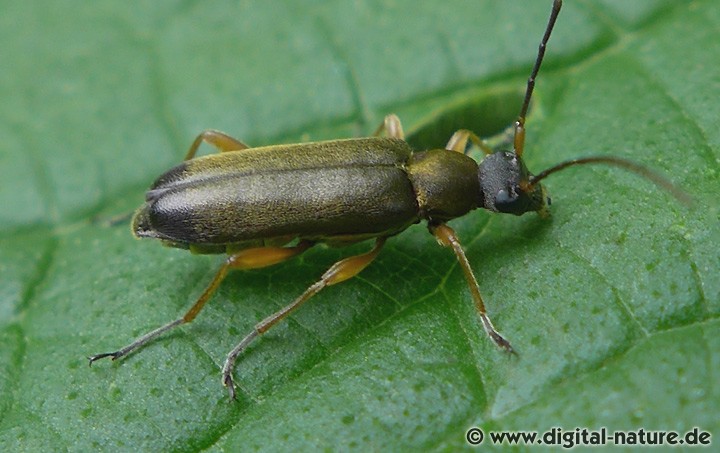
<point x="445" y="183"/>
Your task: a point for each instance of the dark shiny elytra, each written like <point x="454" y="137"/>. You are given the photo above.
<point x="320" y="191"/>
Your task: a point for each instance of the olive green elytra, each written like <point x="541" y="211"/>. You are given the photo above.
<point x="323" y="192"/>
<point x="266" y="205"/>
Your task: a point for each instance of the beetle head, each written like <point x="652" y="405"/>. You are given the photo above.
<point x="505" y="186"/>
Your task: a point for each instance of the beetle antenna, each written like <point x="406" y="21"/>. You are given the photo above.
<point x="519" y="139"/>
<point x="634" y="167"/>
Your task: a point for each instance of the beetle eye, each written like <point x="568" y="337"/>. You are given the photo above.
<point x="508" y="200"/>
<point x="505" y="197"/>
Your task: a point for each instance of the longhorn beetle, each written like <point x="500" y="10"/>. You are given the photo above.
<point x="256" y="204"/>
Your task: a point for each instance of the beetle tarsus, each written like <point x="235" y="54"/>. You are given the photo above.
<point x="227" y="379"/>
<point x="502" y="342"/>
<point x="495" y="336"/>
<point x="230" y="384"/>
<point x="113" y="356"/>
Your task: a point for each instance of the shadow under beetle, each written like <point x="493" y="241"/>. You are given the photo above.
<point x="256" y="205"/>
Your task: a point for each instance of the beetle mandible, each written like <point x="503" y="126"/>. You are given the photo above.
<point x="255" y="205"/>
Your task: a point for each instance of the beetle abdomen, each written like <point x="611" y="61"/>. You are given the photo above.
<point x="360" y="189"/>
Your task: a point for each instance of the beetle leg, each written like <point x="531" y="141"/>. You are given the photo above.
<point x="392" y="127"/>
<point x="338" y="272"/>
<point x="458" y="142"/>
<point x="218" y="139"/>
<point x="446" y="237"/>
<point x="253" y="258"/>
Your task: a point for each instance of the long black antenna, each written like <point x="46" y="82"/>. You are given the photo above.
<point x="519" y="140"/>
<point x="617" y="162"/>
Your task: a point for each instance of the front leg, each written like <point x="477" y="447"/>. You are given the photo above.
<point x="446" y="237"/>
<point x="458" y="142"/>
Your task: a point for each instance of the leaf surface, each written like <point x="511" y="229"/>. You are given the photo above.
<point x="612" y="304"/>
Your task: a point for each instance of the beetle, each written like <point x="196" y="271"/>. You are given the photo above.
<point x="255" y="204"/>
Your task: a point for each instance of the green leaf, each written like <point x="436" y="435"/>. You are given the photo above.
<point x="612" y="304"/>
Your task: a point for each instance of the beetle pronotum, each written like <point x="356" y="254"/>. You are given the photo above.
<point x="255" y="205"/>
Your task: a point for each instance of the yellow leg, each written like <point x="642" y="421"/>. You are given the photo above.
<point x="338" y="272"/>
<point x="245" y="259"/>
<point x="219" y="140"/>
<point x="392" y="127"/>
<point x="447" y="237"/>
<point x="458" y="142"/>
